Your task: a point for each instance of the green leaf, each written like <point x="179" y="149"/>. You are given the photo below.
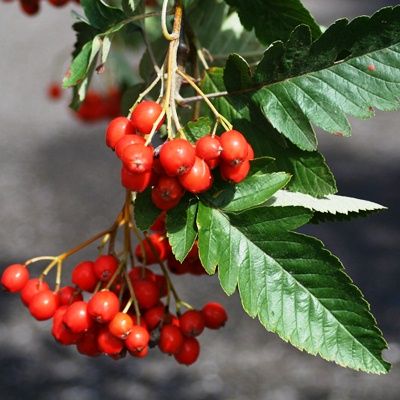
<point x="80" y="65"/>
<point x="101" y="15"/>
<point x="350" y="69"/>
<point x="181" y="227"/>
<point x="145" y="210"/>
<point x="274" y="19"/>
<point x="256" y="189"/>
<point x="330" y="207"/>
<point x="194" y="130"/>
<point x="218" y="29"/>
<point x="84" y="33"/>
<point x="310" y="173"/>
<point x="296" y="287"/>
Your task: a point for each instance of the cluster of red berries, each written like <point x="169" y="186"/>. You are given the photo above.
<point x="32" y="7"/>
<point x="97" y="106"/>
<point x="107" y="323"/>
<point x="177" y="165"/>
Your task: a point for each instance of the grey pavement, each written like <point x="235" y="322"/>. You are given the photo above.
<point x="59" y="185"/>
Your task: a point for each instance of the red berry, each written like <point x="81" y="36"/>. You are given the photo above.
<point x="121" y="325"/>
<point x="250" y="152"/>
<point x="137" y="158"/>
<point x="58" y="3"/>
<point x="176" y="267"/>
<point x="76" y="318"/>
<point x="54" y="90"/>
<point x="14" y="277"/>
<point x="208" y="148"/>
<point x="156" y="247"/>
<point x="141" y="354"/>
<point x="177" y="157"/>
<point x="137" y="340"/>
<point x="215" y="315"/>
<point x="84" y="277"/>
<point x="105" y="266"/>
<point x="43" y="305"/>
<point x="167" y="193"/>
<point x="159" y="223"/>
<point x="108" y="343"/>
<point x="32" y="287"/>
<point x="135" y="182"/>
<point x="171" y="339"/>
<point x="59" y="331"/>
<point x="154" y="316"/>
<point x="234" y="147"/>
<point x="141" y="273"/>
<point x="30" y="7"/>
<point x="87" y="344"/>
<point x="161" y="282"/>
<point x="235" y="174"/>
<point x="147" y="293"/>
<point x="68" y="295"/>
<point x="103" y="306"/>
<point x="198" y="179"/>
<point x="126" y="141"/>
<point x="117" y="129"/>
<point x="189" y="352"/>
<point x="192" y="323"/>
<point x="145" y="115"/>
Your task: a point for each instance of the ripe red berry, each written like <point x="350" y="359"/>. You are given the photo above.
<point x="171" y="339"/>
<point x="215" y="315"/>
<point x="156" y="247"/>
<point x="189" y="352"/>
<point x="159" y="223"/>
<point x="161" y="282"/>
<point x="192" y="323"/>
<point x="121" y="325"/>
<point x="84" y="277"/>
<point x="147" y="293"/>
<point x="32" y="287"/>
<point x="137" y="340"/>
<point x="137" y="158"/>
<point x="30" y="7"/>
<point x="108" y="343"/>
<point x="54" y="91"/>
<point x="208" y="147"/>
<point x="154" y="316"/>
<point x="145" y="115"/>
<point x="14" y="277"/>
<point x="198" y="179"/>
<point x="58" y="3"/>
<point x="117" y="129"/>
<point x="176" y="267"/>
<point x="105" y="266"/>
<point x="234" y="147"/>
<point x="87" y="344"/>
<point x="135" y="182"/>
<point x="43" y="305"/>
<point x="76" y="318"/>
<point x="167" y="193"/>
<point x="140" y="272"/>
<point x="103" y="306"/>
<point x="177" y="157"/>
<point x="68" y="294"/>
<point x="141" y="354"/>
<point x="235" y="174"/>
<point x="126" y="141"/>
<point x="59" y="331"/>
<point x="250" y="152"/>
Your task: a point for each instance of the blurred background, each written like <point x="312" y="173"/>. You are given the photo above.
<point x="59" y="185"/>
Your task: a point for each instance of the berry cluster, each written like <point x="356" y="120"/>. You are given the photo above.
<point x="32" y="7"/>
<point x="97" y="106"/>
<point x="124" y="312"/>
<point x="176" y="166"/>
